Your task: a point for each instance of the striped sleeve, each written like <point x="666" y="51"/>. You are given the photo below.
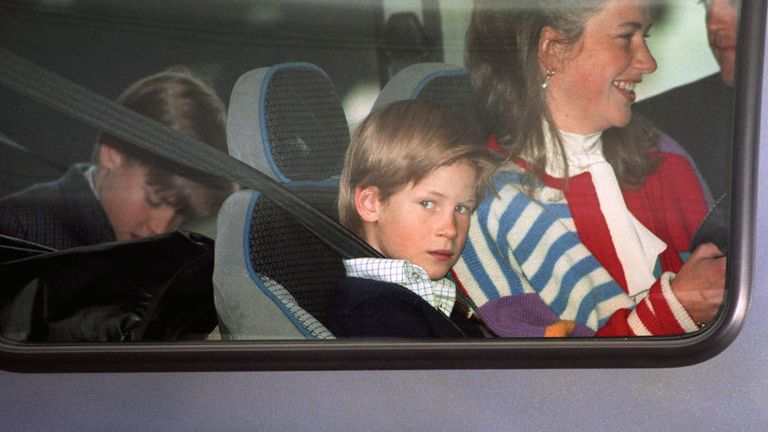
<point x="658" y="313"/>
<point x="517" y="246"/>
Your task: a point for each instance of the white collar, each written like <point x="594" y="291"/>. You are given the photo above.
<point x="89" y="174"/>
<point x="636" y="246"/>
<point x="581" y="151"/>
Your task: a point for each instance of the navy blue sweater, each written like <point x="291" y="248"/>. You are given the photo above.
<point x="368" y="308"/>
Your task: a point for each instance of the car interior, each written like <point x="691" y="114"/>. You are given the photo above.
<point x="297" y="77"/>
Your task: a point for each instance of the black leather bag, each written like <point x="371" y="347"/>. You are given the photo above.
<point x="153" y="289"/>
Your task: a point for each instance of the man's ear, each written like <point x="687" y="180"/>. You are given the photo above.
<point x="368" y="203"/>
<point x="110" y="157"/>
<point x="551" y="49"/>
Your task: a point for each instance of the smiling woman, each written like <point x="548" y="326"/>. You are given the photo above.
<point x="609" y="203"/>
<point x="591" y="83"/>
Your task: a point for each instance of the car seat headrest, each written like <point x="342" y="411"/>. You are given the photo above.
<point x="287" y="121"/>
<point x="438" y="82"/>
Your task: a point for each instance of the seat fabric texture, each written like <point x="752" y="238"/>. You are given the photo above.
<point x="276" y="279"/>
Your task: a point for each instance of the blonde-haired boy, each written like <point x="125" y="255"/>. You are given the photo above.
<point x="413" y="175"/>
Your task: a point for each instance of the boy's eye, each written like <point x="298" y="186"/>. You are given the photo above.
<point x="427" y="204"/>
<point x="463" y="209"/>
<point x="153" y="199"/>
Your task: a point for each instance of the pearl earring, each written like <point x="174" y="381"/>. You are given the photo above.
<point x="549" y="74"/>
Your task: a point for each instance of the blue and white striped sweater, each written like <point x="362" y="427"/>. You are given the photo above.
<point x="517" y="245"/>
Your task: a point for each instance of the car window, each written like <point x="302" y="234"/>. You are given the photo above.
<point x="599" y="188"/>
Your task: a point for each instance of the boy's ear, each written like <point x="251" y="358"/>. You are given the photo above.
<point x="551" y="49"/>
<point x="368" y="203"/>
<point x="109" y="157"/>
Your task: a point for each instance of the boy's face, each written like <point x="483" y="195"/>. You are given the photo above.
<point x="133" y="207"/>
<point x="425" y="223"/>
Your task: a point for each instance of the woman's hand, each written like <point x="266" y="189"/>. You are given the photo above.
<point x="700" y="283"/>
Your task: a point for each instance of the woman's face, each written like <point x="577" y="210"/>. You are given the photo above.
<point x="594" y="81"/>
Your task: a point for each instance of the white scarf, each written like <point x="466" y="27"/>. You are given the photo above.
<point x="636" y="246"/>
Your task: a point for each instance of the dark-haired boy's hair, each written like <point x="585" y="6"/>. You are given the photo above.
<point x="177" y="99"/>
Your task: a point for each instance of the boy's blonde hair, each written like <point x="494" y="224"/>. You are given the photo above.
<point x="401" y="144"/>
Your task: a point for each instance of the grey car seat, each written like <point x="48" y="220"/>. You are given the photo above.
<point x="437" y="82"/>
<point x="273" y="279"/>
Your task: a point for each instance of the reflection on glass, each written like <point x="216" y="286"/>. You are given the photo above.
<point x="609" y="134"/>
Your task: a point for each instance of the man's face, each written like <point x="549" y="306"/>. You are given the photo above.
<point x="722" y="24"/>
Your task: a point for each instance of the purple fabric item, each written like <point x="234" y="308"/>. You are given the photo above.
<point x="522" y="316"/>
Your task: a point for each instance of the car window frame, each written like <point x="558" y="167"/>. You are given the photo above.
<point x="474" y="354"/>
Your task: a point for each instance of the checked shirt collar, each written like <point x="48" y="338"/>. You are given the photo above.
<point x="441" y="294"/>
